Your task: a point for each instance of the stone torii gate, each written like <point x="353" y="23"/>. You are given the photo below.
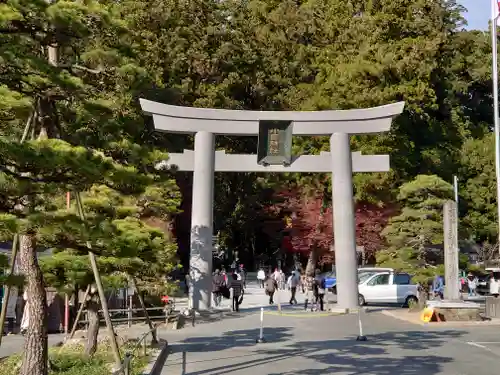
<point x="275" y="130"/>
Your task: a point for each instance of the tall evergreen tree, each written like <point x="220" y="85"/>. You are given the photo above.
<point x="412" y="234"/>
<point x="64" y="96"/>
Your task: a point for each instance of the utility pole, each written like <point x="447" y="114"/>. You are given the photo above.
<point x="496" y="120"/>
<point x="455" y="188"/>
<point x="455" y="191"/>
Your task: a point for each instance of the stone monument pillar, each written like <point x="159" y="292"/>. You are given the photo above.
<point x="450" y="224"/>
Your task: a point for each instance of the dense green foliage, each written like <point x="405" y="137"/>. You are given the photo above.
<point x="254" y="55"/>
<point x="67" y="77"/>
<point x="71" y="361"/>
<point x="420" y="222"/>
<point x="130" y="246"/>
<point x="412" y="235"/>
<point x="261" y="55"/>
<point x="88" y="135"/>
<point x="85" y="99"/>
<point x="479" y="188"/>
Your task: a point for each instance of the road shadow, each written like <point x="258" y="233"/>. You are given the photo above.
<point x="384" y="353"/>
<point x="380" y="355"/>
<point x="231" y="339"/>
<point x="205" y="317"/>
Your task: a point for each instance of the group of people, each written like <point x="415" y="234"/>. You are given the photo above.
<point x="472" y="281"/>
<point x="232" y="286"/>
<point x="468" y="284"/>
<point x="225" y="286"/>
<point x="313" y="287"/>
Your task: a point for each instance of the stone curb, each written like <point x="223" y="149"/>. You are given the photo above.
<point x="417" y="321"/>
<point x="156" y="363"/>
<point x="342" y="311"/>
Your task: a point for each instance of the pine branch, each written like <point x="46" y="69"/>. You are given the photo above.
<point x="58" y="178"/>
<point x="77" y="67"/>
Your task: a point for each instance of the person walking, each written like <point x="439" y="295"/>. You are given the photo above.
<point x="237" y="273"/>
<point x="493" y="285"/>
<point x="472" y="284"/>
<point x="224" y="275"/>
<point x="11" y="309"/>
<point x="261" y="277"/>
<point x="438" y="287"/>
<point x="237" y="287"/>
<point x="243" y="275"/>
<point x="319" y="290"/>
<point x="293" y="282"/>
<point x="309" y="286"/>
<point x="276" y="275"/>
<point x="217" y="285"/>
<point x="282" y="282"/>
<point x="26" y="314"/>
<point x="271" y="286"/>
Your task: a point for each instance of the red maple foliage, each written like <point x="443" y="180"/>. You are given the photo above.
<point x="371" y="219"/>
<point x="310" y="225"/>
<point x="306" y="224"/>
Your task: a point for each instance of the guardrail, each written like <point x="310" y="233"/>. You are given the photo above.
<point x="125" y="368"/>
<point x="167" y="311"/>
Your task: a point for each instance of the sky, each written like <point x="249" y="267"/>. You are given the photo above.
<point x="478" y="14"/>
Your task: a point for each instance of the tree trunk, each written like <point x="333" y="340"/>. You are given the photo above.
<point x="311" y="262"/>
<point x="35" y="357"/>
<point x="93" y="318"/>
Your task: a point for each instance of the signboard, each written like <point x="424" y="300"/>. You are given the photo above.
<point x="275" y="143"/>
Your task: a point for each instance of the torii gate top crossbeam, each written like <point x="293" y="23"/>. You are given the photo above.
<point x="176" y="119"/>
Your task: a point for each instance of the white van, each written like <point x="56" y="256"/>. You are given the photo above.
<point x="387" y="287"/>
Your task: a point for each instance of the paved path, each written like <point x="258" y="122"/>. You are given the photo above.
<point x="13" y="344"/>
<point x="327" y="345"/>
<point x="255" y="297"/>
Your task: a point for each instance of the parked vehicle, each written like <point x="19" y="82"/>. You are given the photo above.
<point x="483" y="285"/>
<point x="387" y="287"/>
<point x="374" y="269"/>
<point x="331" y="277"/>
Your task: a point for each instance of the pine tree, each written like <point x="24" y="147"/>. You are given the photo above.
<point x="52" y="77"/>
<point x="32" y="176"/>
<point x="134" y="249"/>
<point x="411" y="234"/>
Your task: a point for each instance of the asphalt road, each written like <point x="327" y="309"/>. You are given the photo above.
<point x="318" y="344"/>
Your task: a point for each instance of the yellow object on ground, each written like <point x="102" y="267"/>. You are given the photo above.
<point x="427" y="314"/>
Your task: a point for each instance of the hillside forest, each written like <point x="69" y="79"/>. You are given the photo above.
<point x="71" y="74"/>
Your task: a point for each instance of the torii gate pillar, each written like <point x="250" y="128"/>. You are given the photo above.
<point x="200" y="261"/>
<point x="340" y="161"/>
<point x="344" y="229"/>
